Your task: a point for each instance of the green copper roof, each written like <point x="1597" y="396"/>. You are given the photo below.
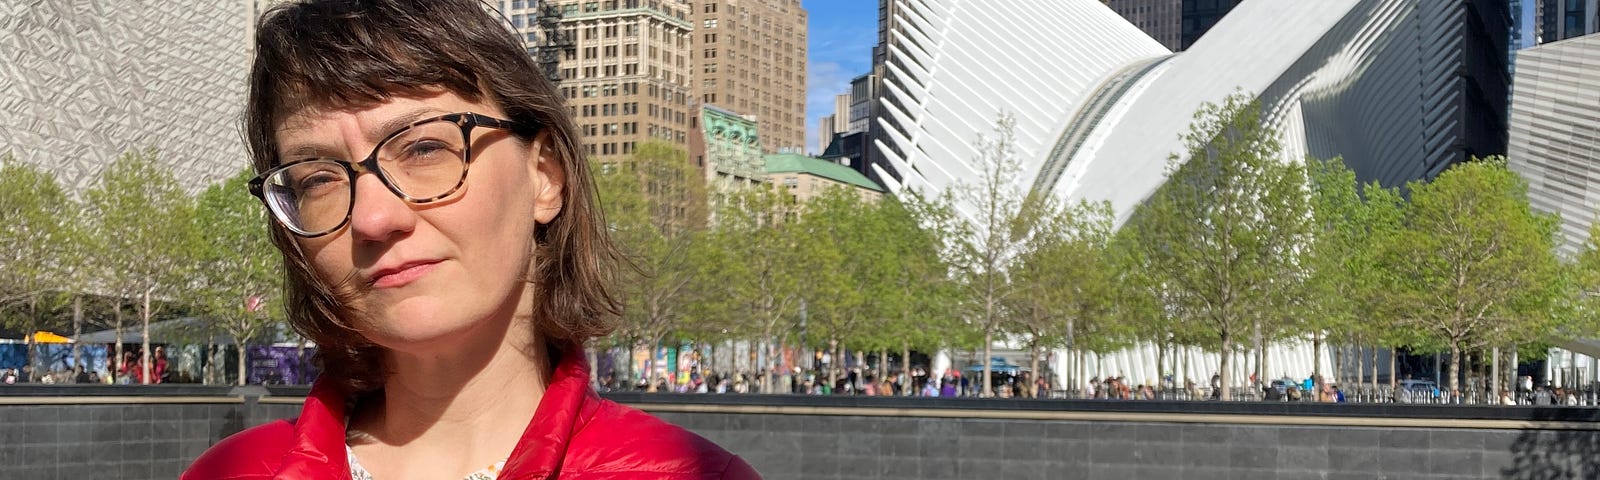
<point x="796" y="163"/>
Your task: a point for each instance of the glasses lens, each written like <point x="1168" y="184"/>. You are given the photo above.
<point x="426" y="161"/>
<point x="310" y="197"/>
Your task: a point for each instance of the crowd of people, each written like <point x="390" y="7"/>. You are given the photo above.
<point x="129" y="371"/>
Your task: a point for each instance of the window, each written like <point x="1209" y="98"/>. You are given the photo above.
<point x="711" y="7"/>
<point x="711" y="23"/>
<point x="711" y="67"/>
<point x="710" y="53"/>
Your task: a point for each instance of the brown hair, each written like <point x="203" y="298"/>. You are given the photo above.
<point x="356" y="53"/>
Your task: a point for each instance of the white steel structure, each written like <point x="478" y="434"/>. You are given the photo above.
<point x="1401" y="89"/>
<point x="953" y="66"/>
<point x="1100" y="106"/>
<point x="1555" y="133"/>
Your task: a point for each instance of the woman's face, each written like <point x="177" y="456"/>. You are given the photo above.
<point x="432" y="271"/>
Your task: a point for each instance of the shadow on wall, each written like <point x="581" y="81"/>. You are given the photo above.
<point x="232" y="422"/>
<point x="1554" y="454"/>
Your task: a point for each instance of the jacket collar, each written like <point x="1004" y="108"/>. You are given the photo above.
<point x="319" y="442"/>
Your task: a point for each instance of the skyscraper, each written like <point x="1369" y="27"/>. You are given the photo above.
<point x="623" y="66"/>
<point x="1161" y="19"/>
<point x="1563" y="19"/>
<point x="1199" y="16"/>
<point x="750" y="59"/>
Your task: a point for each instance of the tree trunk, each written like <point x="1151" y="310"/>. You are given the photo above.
<point x="1374" y="368"/>
<point x="1260" y="371"/>
<point x="1338" y="367"/>
<point x="1455" y="366"/>
<point x="1515" y="380"/>
<point x="28" y="337"/>
<point x="1033" y="377"/>
<point x="1161" y="364"/>
<point x="1394" y="382"/>
<point x="244" y="357"/>
<point x="1226" y="372"/>
<point x="144" y="352"/>
<point x="1494" y="373"/>
<point x="988" y="338"/>
<point x="650" y="368"/>
<point x="883" y="368"/>
<point x="77" y="330"/>
<point x="833" y="366"/>
<point x="909" y="386"/>
<point x="1316" y="354"/>
<point x="116" y="363"/>
<point x="1361" y="367"/>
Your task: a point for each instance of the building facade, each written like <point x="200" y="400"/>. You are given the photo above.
<point x="835" y="123"/>
<point x="1160" y="19"/>
<point x="80" y="87"/>
<point x="1563" y="19"/>
<point x="1554" y="141"/>
<point x="1199" y="16"/>
<point x="624" y="67"/>
<point x="733" y="154"/>
<point x="750" y="58"/>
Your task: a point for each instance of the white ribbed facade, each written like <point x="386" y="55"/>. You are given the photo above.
<point x="1401" y="89"/>
<point x="1555" y="133"/>
<point x="954" y="65"/>
<point x="1100" y="106"/>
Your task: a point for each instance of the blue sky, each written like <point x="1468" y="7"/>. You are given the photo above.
<point x="840" y="41"/>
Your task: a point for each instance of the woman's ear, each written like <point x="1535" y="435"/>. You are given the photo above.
<point x="548" y="178"/>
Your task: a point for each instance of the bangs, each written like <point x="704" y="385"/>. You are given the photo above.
<point x="329" y="56"/>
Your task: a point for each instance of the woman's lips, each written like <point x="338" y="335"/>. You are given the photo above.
<point x="403" y="275"/>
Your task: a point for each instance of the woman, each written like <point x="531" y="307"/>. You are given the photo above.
<point x="449" y="303"/>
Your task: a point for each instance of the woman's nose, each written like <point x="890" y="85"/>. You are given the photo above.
<point x="377" y="214"/>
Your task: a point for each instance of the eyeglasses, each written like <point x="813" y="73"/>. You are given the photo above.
<point x="421" y="163"/>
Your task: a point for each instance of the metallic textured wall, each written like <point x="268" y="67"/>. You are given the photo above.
<point x="1554" y="138"/>
<point x="82" y="82"/>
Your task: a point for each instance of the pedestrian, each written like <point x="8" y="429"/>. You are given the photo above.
<point x="449" y="305"/>
<point x="158" y="365"/>
<point x="80" y="376"/>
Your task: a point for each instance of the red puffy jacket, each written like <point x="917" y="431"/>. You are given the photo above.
<point x="574" y="435"/>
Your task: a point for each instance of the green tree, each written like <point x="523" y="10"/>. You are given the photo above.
<point x="1474" y="266"/>
<point x="1224" y="230"/>
<point x="1003" y="219"/>
<point x="746" y="282"/>
<point x="854" y="267"/>
<point x="238" y="268"/>
<point x="145" y="243"/>
<point x="655" y="205"/>
<point x="1065" y="283"/>
<point x="36" y="244"/>
<point x="1343" y="295"/>
<point x="917" y="298"/>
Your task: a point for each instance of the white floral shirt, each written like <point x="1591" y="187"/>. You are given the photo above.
<point x="357" y="472"/>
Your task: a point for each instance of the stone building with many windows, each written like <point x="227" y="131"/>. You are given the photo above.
<point x="623" y="66"/>
<point x="750" y="58"/>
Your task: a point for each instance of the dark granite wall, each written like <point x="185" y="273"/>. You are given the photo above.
<point x="149" y="437"/>
<point x="832" y="447"/>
